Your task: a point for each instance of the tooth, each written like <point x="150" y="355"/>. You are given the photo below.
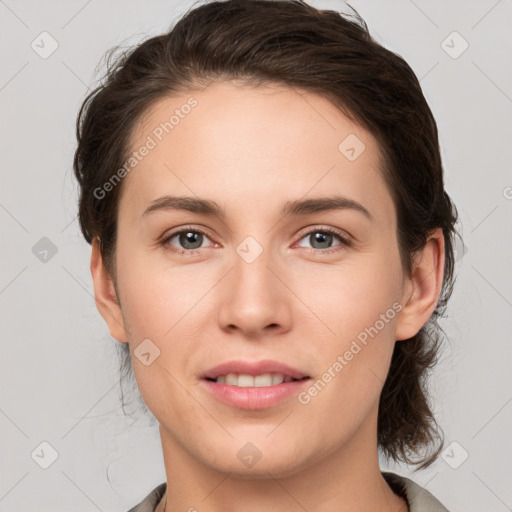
<point x="232" y="379"/>
<point x="245" y="381"/>
<point x="263" y="380"/>
<point x="277" y="378"/>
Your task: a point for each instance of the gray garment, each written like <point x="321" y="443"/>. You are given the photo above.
<point x="418" y="498"/>
<point x="149" y="503"/>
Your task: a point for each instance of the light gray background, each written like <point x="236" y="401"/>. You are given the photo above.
<point x="58" y="366"/>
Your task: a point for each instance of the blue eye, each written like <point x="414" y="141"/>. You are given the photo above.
<point x="191" y="240"/>
<point x="324" y="238"/>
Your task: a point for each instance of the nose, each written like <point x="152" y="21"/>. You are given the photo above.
<point x="254" y="298"/>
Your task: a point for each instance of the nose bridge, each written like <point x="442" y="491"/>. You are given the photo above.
<point x="254" y="298"/>
<point x="251" y="274"/>
<point x="253" y="251"/>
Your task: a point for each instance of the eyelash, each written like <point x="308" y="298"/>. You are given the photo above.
<point x="345" y="242"/>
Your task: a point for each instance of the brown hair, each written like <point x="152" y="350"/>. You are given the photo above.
<point x="292" y="43"/>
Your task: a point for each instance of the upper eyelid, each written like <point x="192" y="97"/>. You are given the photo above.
<point x="329" y="229"/>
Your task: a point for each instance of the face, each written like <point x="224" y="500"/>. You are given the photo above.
<point x="282" y="274"/>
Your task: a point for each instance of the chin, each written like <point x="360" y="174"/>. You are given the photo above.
<point x="253" y="463"/>
<point x="262" y="470"/>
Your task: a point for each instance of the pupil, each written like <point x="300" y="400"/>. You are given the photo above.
<point x="322" y="238"/>
<point x="191" y="238"/>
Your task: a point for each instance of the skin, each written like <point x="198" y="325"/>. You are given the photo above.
<point x="251" y="150"/>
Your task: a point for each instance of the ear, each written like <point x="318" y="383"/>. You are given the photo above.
<point x="105" y="295"/>
<point x="423" y="288"/>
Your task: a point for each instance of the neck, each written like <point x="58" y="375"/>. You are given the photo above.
<point x="347" y="479"/>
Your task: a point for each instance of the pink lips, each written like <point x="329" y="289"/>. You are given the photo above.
<point x="254" y="397"/>
<point x="253" y="368"/>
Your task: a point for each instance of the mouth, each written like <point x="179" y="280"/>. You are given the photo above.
<point x="248" y="374"/>
<point x="254" y="385"/>
<point x="258" y="381"/>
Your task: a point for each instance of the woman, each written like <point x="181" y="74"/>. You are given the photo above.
<point x="272" y="245"/>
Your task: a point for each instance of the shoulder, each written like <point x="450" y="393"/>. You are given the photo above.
<point x="149" y="503"/>
<point x="419" y="499"/>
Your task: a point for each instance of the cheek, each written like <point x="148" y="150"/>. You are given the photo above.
<point x="360" y="305"/>
<point x="154" y="297"/>
<point x="351" y="297"/>
<point x="160" y="305"/>
<point x="166" y="306"/>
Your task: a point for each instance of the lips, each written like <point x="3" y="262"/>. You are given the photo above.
<point x="254" y="368"/>
<point x="254" y="385"/>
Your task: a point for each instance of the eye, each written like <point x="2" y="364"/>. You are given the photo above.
<point x="190" y="239"/>
<point x="322" y="239"/>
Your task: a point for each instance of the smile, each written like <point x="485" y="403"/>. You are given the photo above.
<point x="245" y="381"/>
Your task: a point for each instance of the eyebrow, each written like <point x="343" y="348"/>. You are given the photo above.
<point x="291" y="208"/>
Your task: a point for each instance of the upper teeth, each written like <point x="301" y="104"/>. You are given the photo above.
<point x="245" y="381"/>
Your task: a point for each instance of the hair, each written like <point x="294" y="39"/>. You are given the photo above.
<point x="290" y="43"/>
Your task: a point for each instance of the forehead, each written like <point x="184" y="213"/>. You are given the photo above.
<point x="242" y="144"/>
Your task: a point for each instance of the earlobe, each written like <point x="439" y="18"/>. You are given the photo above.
<point x="424" y="287"/>
<point x="105" y="295"/>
